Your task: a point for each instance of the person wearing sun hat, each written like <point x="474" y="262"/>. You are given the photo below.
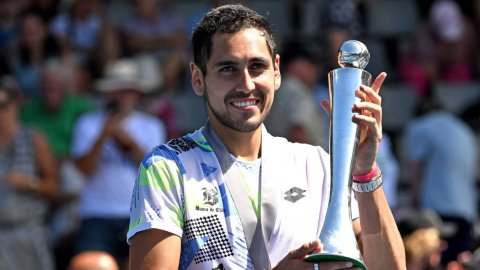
<point x="108" y="146"/>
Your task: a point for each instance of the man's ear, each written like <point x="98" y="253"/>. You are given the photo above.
<point x="198" y="82"/>
<point x="276" y="70"/>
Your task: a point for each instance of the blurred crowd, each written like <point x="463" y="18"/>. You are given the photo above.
<point x="87" y="87"/>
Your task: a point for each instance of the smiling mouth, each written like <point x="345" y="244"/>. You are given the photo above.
<point x="243" y="104"/>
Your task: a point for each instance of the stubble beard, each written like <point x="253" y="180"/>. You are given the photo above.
<point x="240" y="126"/>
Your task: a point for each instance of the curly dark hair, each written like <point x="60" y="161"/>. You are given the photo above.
<point x="227" y="19"/>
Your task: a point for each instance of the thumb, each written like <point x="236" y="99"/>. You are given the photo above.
<point x="305" y="249"/>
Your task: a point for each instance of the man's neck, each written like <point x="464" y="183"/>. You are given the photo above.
<point x="243" y="145"/>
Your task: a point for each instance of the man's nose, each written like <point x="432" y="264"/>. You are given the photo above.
<point x="246" y="83"/>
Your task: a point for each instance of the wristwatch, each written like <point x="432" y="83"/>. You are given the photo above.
<point x="368" y="186"/>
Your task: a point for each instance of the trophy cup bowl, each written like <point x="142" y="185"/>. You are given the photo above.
<point x="337" y="235"/>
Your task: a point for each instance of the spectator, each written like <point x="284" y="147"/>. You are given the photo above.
<point x="35" y="47"/>
<point x="340" y="20"/>
<point x="28" y="181"/>
<point x="57" y="110"/>
<point x="422" y="232"/>
<point x="9" y="28"/>
<point x="93" y="260"/>
<point x="442" y="153"/>
<point x="77" y="28"/>
<point x="108" y="146"/>
<point x="55" y="113"/>
<point x="295" y="115"/>
<point x="154" y="29"/>
<point x="443" y="49"/>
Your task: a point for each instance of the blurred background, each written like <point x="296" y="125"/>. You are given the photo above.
<point x="58" y="54"/>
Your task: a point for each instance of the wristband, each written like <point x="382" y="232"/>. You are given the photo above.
<point x="368" y="176"/>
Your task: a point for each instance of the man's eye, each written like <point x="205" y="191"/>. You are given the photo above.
<point x="257" y="66"/>
<point x="227" y="69"/>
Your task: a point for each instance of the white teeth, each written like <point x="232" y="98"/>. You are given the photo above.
<point x="244" y="103"/>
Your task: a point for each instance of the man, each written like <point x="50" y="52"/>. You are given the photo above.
<point x="443" y="155"/>
<point x="108" y="145"/>
<point x="55" y="113"/>
<point x="231" y="196"/>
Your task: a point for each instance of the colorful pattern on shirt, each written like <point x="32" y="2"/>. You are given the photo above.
<point x="207" y="221"/>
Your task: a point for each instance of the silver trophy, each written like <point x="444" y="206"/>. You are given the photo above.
<point x="337" y="235"/>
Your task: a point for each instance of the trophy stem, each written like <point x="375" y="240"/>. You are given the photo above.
<point x="337" y="235"/>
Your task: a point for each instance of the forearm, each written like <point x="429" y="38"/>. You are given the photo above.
<point x="382" y="243"/>
<point x="87" y="163"/>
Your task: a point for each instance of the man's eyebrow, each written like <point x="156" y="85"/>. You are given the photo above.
<point x="236" y="63"/>
<point x="226" y="63"/>
<point x="259" y="59"/>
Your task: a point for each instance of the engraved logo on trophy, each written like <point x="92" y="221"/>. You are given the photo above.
<point x="337" y="236"/>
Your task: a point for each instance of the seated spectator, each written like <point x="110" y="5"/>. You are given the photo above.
<point x="28" y="182"/>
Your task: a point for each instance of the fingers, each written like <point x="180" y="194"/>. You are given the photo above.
<point x="325" y="105"/>
<point x="377" y="84"/>
<point x="365" y="93"/>
<point x="369" y="112"/>
<point x="307" y="248"/>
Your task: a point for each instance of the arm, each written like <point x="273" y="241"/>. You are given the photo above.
<point x="380" y="240"/>
<point x="154" y="249"/>
<point x="128" y="145"/>
<point x="47" y="184"/>
<point x="87" y="163"/>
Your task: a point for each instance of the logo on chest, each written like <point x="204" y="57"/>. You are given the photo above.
<point x="294" y="194"/>
<point x="210" y="200"/>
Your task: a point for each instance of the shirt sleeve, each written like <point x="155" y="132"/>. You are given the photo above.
<point x="86" y="131"/>
<point x="157" y="202"/>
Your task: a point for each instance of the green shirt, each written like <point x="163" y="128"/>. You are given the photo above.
<point x="57" y="126"/>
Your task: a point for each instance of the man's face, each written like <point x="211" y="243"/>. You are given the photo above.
<point x="241" y="80"/>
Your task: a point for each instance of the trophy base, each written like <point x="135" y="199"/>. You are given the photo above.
<point x="325" y="257"/>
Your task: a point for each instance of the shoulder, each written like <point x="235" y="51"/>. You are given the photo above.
<point x="90" y="120"/>
<point x="178" y="149"/>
